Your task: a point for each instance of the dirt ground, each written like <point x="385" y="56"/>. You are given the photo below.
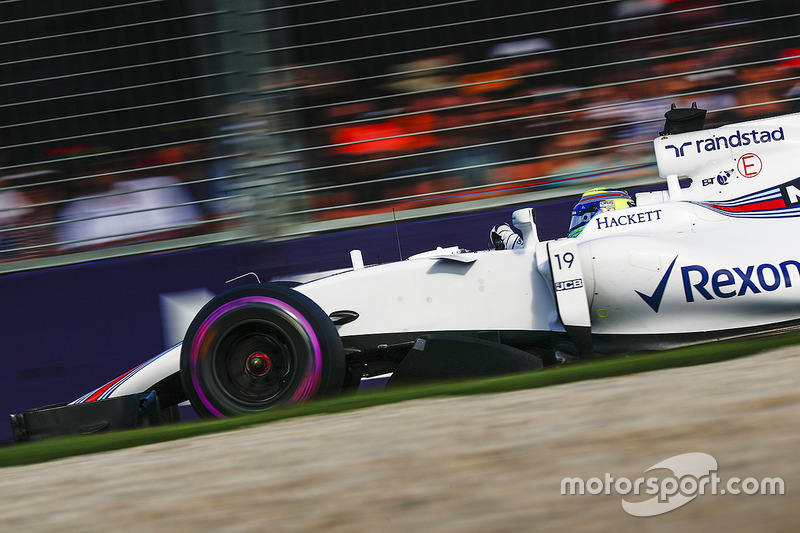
<point x="488" y="463"/>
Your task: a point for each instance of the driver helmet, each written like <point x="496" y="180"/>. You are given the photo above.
<point x="596" y="201"/>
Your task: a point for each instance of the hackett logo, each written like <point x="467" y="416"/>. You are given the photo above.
<point x="613" y="221"/>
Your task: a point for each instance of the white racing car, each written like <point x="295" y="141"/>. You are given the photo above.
<point x="711" y="257"/>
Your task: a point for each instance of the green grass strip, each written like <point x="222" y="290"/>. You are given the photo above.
<point x="58" y="448"/>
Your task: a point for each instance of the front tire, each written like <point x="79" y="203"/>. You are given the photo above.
<point x="258" y="346"/>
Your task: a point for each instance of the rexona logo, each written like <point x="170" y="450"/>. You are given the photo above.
<point x="699" y="283"/>
<point x="735" y="139"/>
<point x="654" y="300"/>
<point x="728" y="283"/>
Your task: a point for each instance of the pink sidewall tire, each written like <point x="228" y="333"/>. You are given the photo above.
<point x="258" y="346"/>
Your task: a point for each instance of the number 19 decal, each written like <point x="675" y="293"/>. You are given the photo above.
<point x="566" y="259"/>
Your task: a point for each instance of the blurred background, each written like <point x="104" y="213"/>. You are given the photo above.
<point x="138" y="126"/>
<point x="151" y="150"/>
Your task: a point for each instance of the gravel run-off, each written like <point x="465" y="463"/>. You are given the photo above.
<point x="479" y="463"/>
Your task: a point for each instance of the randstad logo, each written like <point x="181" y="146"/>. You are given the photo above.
<point x="700" y="283"/>
<point x="734" y="140"/>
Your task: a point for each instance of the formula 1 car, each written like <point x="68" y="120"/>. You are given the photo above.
<point x="709" y="258"/>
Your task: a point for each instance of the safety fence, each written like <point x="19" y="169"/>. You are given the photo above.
<point x="148" y="125"/>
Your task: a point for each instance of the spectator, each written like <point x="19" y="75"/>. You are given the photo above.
<point x="127" y="210"/>
<point x="14" y="206"/>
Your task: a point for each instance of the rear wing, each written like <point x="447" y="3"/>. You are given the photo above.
<point x="730" y="161"/>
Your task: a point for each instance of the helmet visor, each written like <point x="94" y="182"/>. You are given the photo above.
<point x="581" y="215"/>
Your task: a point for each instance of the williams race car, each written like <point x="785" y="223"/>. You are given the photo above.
<point x="709" y="258"/>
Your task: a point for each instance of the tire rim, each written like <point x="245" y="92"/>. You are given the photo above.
<point x="255" y="363"/>
<point x="247" y="326"/>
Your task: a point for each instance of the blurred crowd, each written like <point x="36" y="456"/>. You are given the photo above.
<point x="526" y="114"/>
<point x="110" y="200"/>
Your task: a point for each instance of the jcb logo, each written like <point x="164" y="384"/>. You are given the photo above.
<point x="569" y="284"/>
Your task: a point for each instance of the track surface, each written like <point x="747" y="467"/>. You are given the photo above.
<point x="488" y="463"/>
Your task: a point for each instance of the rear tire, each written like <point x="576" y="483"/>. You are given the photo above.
<point x="258" y="346"/>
